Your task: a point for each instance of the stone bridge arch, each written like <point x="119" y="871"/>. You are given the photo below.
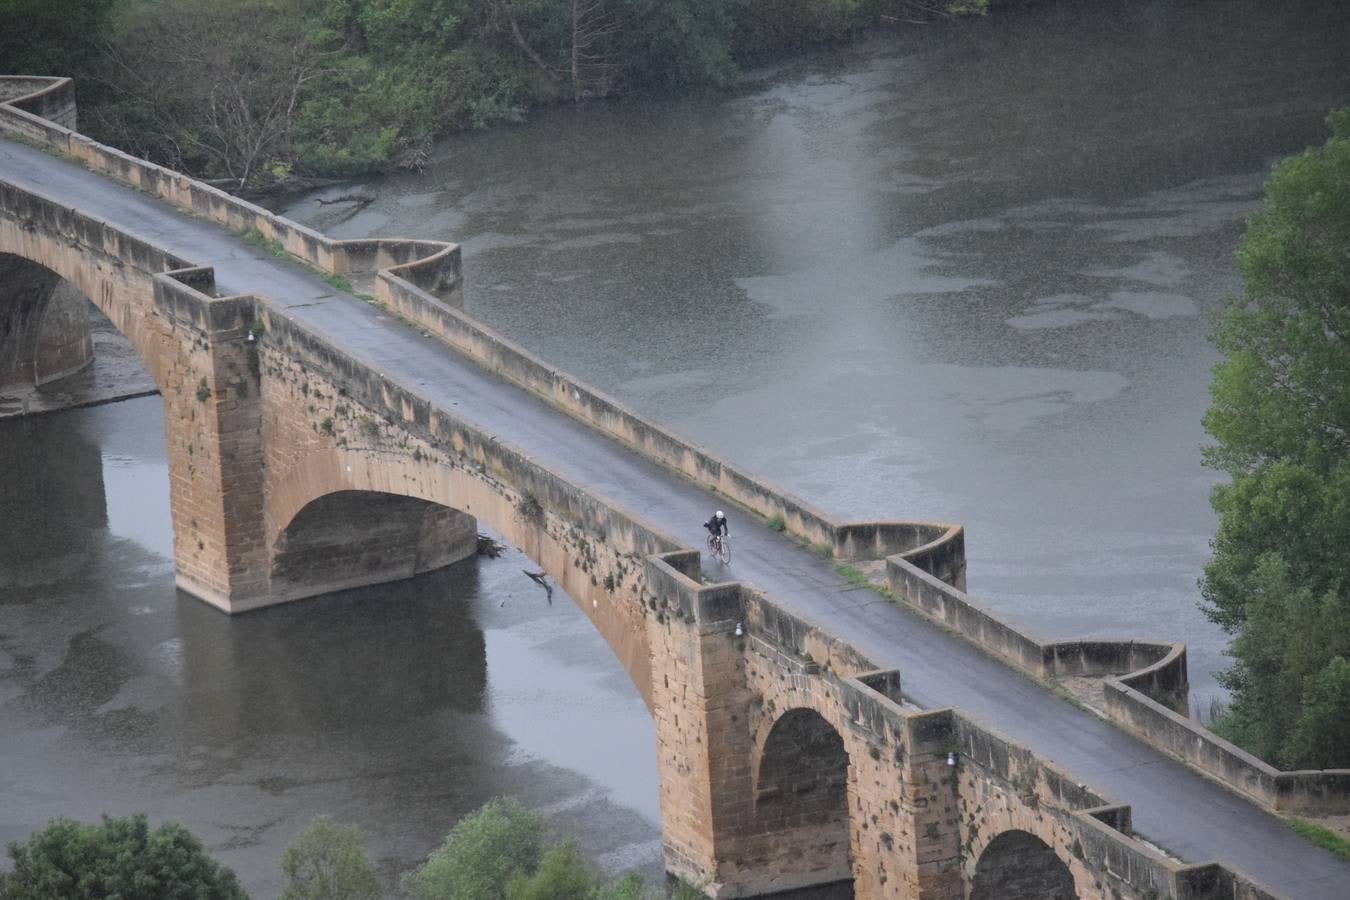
<point x="1017" y="865"/>
<point x="800" y="789"/>
<point x="335" y="451"/>
<point x="193" y="346"/>
<point x="41" y="241"/>
<point x="44" y="326"/>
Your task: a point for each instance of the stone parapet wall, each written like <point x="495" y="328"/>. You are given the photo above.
<point x="45" y="115"/>
<point x="49" y="99"/>
<point x="1146" y="692"/>
<point x="920" y="822"/>
<point x="940" y="543"/>
<point x="558" y="522"/>
<point x="1308" y="792"/>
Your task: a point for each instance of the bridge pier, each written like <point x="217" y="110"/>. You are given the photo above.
<point x="44" y="325"/>
<point x="785" y="759"/>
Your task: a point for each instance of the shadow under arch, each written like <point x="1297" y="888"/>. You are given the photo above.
<point x="328" y="498"/>
<point x="44" y="321"/>
<point x="349" y="538"/>
<point x="44" y="324"/>
<point x="801" y="807"/>
<point x="1017" y="865"/>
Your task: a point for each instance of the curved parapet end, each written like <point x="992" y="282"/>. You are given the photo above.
<point x="402" y="266"/>
<point x="1154" y="668"/>
<point x="41" y="111"/>
<point x="936" y="548"/>
<point x="46" y="98"/>
<point x="1165" y="680"/>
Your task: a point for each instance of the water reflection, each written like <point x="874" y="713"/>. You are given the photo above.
<point x="379" y="706"/>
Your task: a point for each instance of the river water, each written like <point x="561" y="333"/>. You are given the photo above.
<point x="961" y="272"/>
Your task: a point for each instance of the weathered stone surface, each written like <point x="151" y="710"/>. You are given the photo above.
<point x="786" y="758"/>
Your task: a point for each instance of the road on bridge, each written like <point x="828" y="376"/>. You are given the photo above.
<point x="1173" y="807"/>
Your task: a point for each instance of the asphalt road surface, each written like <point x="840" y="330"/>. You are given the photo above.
<point x="1180" y="810"/>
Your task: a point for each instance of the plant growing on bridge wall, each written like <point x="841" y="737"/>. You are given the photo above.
<point x="530" y="509"/>
<point x="203" y="390"/>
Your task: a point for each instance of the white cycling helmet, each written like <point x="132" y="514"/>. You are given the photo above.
<point x="719" y="515"/>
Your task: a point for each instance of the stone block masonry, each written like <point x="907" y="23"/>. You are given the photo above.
<point x="786" y="757"/>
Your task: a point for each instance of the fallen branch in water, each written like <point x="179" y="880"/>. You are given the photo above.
<point x="362" y="199"/>
<point x="489" y="548"/>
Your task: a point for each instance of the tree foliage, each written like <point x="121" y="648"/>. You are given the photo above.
<point x="51" y="37"/>
<point x="482" y="853"/>
<point x="1279" y="579"/>
<point x="255" y="89"/>
<point x="328" y="862"/>
<point x="119" y="858"/>
<point x="499" y="853"/>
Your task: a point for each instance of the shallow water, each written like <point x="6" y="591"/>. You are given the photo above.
<point x="961" y="273"/>
<point x="398" y="708"/>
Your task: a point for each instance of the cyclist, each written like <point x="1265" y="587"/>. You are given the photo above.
<point x="717" y="526"/>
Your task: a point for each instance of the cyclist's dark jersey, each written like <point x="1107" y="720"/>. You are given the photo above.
<point x="716" y="525"/>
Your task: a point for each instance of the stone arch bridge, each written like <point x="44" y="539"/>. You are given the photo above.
<point x="315" y="449"/>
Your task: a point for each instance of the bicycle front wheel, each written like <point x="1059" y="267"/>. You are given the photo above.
<point x="724" y="552"/>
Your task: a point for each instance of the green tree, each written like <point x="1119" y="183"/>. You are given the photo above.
<point x="119" y="858"/>
<point x="563" y="874"/>
<point x="1279" y="579"/>
<point x="328" y="862"/>
<point x="482" y="853"/>
<point x="51" y="37"/>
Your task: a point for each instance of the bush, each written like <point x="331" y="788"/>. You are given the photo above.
<point x="328" y="862"/>
<point x="562" y="875"/>
<point x="482" y="853"/>
<point x="120" y="858"/>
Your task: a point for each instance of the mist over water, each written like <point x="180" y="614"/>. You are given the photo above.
<point x="961" y="272"/>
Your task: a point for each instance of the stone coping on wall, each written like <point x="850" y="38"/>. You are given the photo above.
<point x="925" y="561"/>
<point x="872" y="696"/>
<point x="1102" y="828"/>
<point x="1145" y="693"/>
<point x="432" y="266"/>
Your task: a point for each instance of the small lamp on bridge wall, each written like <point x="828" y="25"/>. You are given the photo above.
<point x="739" y="630"/>
<point x="951" y="757"/>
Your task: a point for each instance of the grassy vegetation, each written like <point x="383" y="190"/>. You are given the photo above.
<point x="340" y="87"/>
<point x="1322" y="837"/>
<point x="853" y="575"/>
<point x="776" y="522"/>
<point x="337" y="281"/>
<point x="256" y="238"/>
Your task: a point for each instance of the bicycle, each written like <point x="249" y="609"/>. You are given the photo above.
<point x="719" y="547"/>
